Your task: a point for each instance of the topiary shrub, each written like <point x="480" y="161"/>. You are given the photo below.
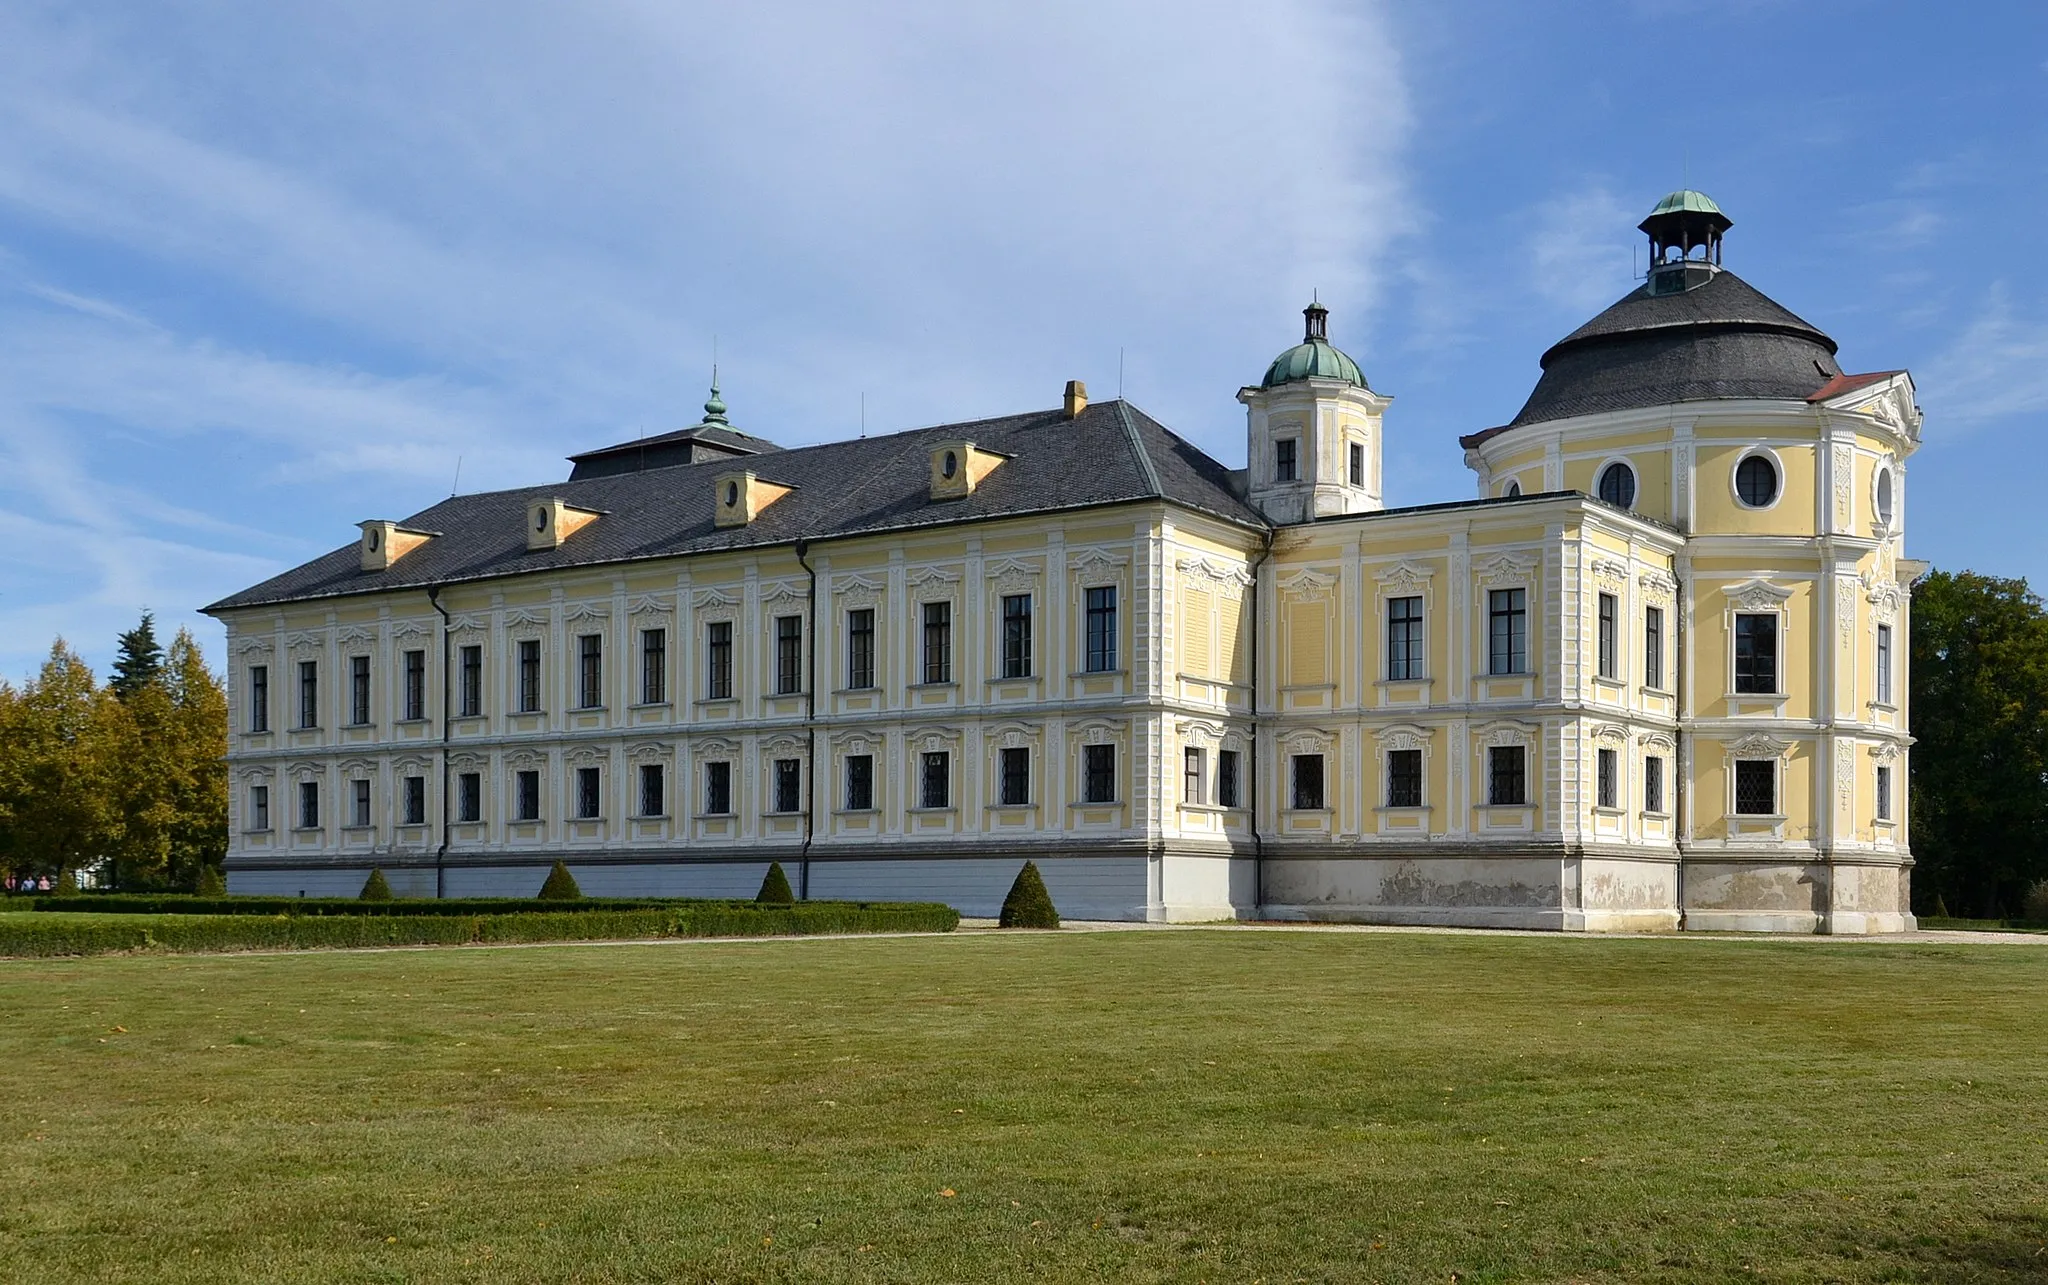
<point x="67" y="884"/>
<point x="375" y="888"/>
<point x="210" y="883"/>
<point x="775" y="888"/>
<point x="1029" y="905"/>
<point x="2035" y="907"/>
<point x="561" y="885"/>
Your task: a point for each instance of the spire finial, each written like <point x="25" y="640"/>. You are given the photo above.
<point x="714" y="409"/>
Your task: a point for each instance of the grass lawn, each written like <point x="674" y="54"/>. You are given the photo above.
<point x="1130" y="1106"/>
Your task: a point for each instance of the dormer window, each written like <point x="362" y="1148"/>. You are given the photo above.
<point x="742" y="496"/>
<point x="384" y="543"/>
<point x="957" y="468"/>
<point x="551" y="521"/>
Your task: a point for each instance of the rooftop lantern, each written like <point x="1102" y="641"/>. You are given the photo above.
<point x="1684" y="223"/>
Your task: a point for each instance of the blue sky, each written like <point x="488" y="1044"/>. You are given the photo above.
<point x="268" y="270"/>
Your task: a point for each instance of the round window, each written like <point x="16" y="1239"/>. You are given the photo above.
<point x="1618" y="485"/>
<point x="1756" y="481"/>
<point x="732" y="494"/>
<point x="951" y="466"/>
<point x="1514" y="491"/>
<point x="1884" y="496"/>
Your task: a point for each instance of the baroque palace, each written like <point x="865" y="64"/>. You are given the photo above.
<point x="1652" y="677"/>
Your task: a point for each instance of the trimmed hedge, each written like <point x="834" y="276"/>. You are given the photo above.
<point x="775" y="888"/>
<point x="179" y="904"/>
<point x="87" y="934"/>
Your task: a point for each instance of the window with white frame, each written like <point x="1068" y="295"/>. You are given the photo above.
<point x="1229" y="787"/>
<point x="1653" y="648"/>
<point x="1404" y="778"/>
<point x="1194" y="776"/>
<point x="935" y="779"/>
<point x="1404" y="638"/>
<point x="1607" y="764"/>
<point x="1286" y="459"/>
<point x="1101" y="630"/>
<point x="1098" y="774"/>
<point x="526" y="795"/>
<point x="1609" y="623"/>
<point x="1013" y="776"/>
<point x="359" y="691"/>
<point x="938" y="642"/>
<point x="860" y="782"/>
<point x="653" y="790"/>
<point x="309" y="805"/>
<point x="1884" y="664"/>
<point x="1507" y="631"/>
<point x="469" y="797"/>
<point x="259" y="698"/>
<point x="529" y="675"/>
<point x="1756" y="787"/>
<point x="589" y="671"/>
<point x="415" y="800"/>
<point x="1507" y="776"/>
<point x="589" y="794"/>
<point x="359" y="803"/>
<point x="718" y="788"/>
<point x="415" y="685"/>
<point x="470" y="702"/>
<point x="860" y="648"/>
<point x="259" y="807"/>
<point x="789" y="785"/>
<point x="653" y="666"/>
<point x="1358" y="463"/>
<point x="1307" y="773"/>
<point x="1653" y="784"/>
<point x="1756" y="653"/>
<point x="1884" y="792"/>
<point x="718" y="660"/>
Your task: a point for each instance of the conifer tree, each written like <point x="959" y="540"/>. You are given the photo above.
<point x="141" y="659"/>
<point x="560" y="885"/>
<point x="1029" y="905"/>
<point x="775" y="890"/>
<point x="376" y="887"/>
<point x="210" y="883"/>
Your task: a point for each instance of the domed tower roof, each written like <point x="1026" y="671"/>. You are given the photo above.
<point x="1315" y="357"/>
<point x="1693" y="331"/>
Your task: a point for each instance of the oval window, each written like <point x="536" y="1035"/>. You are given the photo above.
<point x="1618" y="485"/>
<point x="732" y="494"/>
<point x="1884" y="496"/>
<point x="1514" y="491"/>
<point x="951" y="466"/>
<point x="373" y="539"/>
<point x="540" y="519"/>
<point x="1756" y="481"/>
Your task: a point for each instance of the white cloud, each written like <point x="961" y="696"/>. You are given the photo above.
<point x="1998" y="366"/>
<point x="1579" y="249"/>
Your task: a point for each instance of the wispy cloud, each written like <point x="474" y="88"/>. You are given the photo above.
<point x="1997" y="366"/>
<point x="1579" y="247"/>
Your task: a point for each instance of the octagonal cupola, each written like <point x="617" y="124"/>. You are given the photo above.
<point x="1313" y="430"/>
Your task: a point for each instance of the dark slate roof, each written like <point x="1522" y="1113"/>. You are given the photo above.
<point x="716" y="434"/>
<point x="1723" y="339"/>
<point x="1111" y="453"/>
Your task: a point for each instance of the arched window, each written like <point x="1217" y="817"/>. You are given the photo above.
<point x="1884" y="496"/>
<point x="1513" y="491"/>
<point x="1756" y="481"/>
<point x="1618" y="485"/>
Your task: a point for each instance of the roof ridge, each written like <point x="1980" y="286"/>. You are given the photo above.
<point x="1123" y="415"/>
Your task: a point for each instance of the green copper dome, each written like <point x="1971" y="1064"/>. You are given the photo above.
<point x="1688" y="201"/>
<point x="1315" y="357"/>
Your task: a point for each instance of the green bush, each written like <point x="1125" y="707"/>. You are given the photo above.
<point x="376" y="887"/>
<point x="88" y="934"/>
<point x="1029" y="905"/>
<point x="67" y="884"/>
<point x="2035" y="907"/>
<point x="560" y="885"/>
<point x="775" y="888"/>
<point x="210" y="883"/>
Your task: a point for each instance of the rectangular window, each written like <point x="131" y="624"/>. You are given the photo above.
<point x="789" y="655"/>
<point x="1756" y="654"/>
<point x="938" y="642"/>
<point x="1098" y="773"/>
<point x="589" y="794"/>
<point x="1228" y="792"/>
<point x="1013" y="766"/>
<point x="1884" y="664"/>
<point x="1357" y="464"/>
<point x="1884" y="792"/>
<point x="472" y="699"/>
<point x="789" y="785"/>
<point x="1194" y="774"/>
<point x="1608" y="784"/>
<point x="860" y="648"/>
<point x="1308" y="781"/>
<point x="653" y="666"/>
<point x="935" y="780"/>
<point x="1756" y="787"/>
<point x="718" y="660"/>
<point x="526" y="794"/>
<point x="1285" y="462"/>
<point x="415" y="800"/>
<point x="860" y="782"/>
<point x="358" y="691"/>
<point x="589" y="671"/>
<point x="1507" y="619"/>
<point x="309" y="693"/>
<point x="1507" y="778"/>
<point x="359" y="803"/>
<point x="1404" y="778"/>
<point x="718" y="789"/>
<point x="469" y="797"/>
<point x="1017" y="635"/>
<point x="309" y="805"/>
<point x="529" y="675"/>
<point x="1653" y="647"/>
<point x="1404" y="638"/>
<point x="1610" y="665"/>
<point x="1101" y="629"/>
<point x="259" y="699"/>
<point x="415" y="685"/>
<point x="653" y="790"/>
<point x="259" y="807"/>
<point x="1653" y="784"/>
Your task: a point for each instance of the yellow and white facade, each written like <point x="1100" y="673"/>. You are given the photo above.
<point x="1194" y="694"/>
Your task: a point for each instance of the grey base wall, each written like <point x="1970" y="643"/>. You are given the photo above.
<point x="1534" y="885"/>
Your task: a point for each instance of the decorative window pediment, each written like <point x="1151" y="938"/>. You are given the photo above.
<point x="1757" y="745"/>
<point x="1506" y="733"/>
<point x="713" y="597"/>
<point x="1193" y="569"/>
<point x="1658" y="586"/>
<point x="1758" y="595"/>
<point x="1608" y="571"/>
<point x="1404" y="578"/>
<point x="1308" y="740"/>
<point x="587" y="611"/>
<point x="1403" y="736"/>
<point x="1505" y="568"/>
<point x="1012" y="575"/>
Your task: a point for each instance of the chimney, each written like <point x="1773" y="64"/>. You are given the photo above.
<point x="1077" y="398"/>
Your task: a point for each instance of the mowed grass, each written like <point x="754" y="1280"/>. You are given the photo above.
<point x="1131" y="1106"/>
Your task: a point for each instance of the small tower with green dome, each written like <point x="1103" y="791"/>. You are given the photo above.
<point x="1313" y="427"/>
